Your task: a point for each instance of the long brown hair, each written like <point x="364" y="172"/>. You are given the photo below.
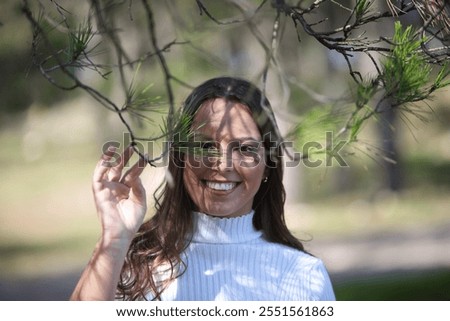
<point x="154" y="257"/>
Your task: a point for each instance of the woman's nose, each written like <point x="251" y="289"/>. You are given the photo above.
<point x="227" y="157"/>
<point x="225" y="160"/>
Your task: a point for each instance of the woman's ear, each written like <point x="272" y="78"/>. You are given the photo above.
<point x="266" y="175"/>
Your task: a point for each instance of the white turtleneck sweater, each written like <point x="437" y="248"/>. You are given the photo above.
<point x="228" y="259"/>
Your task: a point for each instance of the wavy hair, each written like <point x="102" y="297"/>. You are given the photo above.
<point x="154" y="257"/>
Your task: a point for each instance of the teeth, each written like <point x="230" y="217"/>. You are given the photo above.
<point x="220" y="186"/>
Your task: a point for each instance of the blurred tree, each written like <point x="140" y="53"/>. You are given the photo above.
<point x="20" y="84"/>
<point x="110" y="49"/>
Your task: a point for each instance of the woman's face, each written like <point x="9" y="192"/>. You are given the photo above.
<point x="224" y="181"/>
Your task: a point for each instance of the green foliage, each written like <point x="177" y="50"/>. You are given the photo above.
<point x="440" y="81"/>
<point x="356" y="127"/>
<point x="316" y="131"/>
<point x="140" y="100"/>
<point x="362" y="8"/>
<point x="406" y="72"/>
<point x="79" y="40"/>
<point x="364" y="93"/>
<point x="405" y="77"/>
<point x="314" y="124"/>
<point x="188" y="141"/>
<point x="252" y="45"/>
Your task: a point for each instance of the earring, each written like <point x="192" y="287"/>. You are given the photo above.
<point x="265" y="179"/>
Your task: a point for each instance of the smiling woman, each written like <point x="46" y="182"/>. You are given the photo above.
<point x="219" y="230"/>
<point x="220" y="186"/>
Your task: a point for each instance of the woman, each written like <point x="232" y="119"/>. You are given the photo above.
<point x="219" y="231"/>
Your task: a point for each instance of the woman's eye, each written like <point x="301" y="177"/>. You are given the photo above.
<point x="248" y="149"/>
<point x="208" y="145"/>
<point x="209" y="149"/>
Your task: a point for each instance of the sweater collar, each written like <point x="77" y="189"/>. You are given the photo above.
<point x="211" y="229"/>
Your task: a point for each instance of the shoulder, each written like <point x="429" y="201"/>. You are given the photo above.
<point x="292" y="259"/>
<point x="302" y="262"/>
<point x="294" y="256"/>
<point x="308" y="275"/>
<point x="315" y="272"/>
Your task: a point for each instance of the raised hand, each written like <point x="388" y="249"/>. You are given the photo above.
<point x="121" y="205"/>
<point x="120" y="198"/>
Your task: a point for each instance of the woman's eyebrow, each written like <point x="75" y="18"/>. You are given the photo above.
<point x="249" y="138"/>
<point x="198" y="136"/>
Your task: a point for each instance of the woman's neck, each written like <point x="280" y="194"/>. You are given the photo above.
<point x="218" y="230"/>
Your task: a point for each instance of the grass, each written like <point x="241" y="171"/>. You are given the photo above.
<point x="398" y="286"/>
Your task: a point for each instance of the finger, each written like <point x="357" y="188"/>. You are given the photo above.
<point x="116" y="171"/>
<point x="111" y="189"/>
<point x="137" y="192"/>
<point x="134" y="172"/>
<point x="132" y="178"/>
<point x="127" y="153"/>
<point x="120" y="191"/>
<point x="104" y="164"/>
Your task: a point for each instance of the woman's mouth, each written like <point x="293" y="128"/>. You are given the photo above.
<point x="220" y="186"/>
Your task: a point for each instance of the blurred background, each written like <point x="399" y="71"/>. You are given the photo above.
<point x="383" y="230"/>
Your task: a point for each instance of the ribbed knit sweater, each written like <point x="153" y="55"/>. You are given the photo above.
<point x="228" y="259"/>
